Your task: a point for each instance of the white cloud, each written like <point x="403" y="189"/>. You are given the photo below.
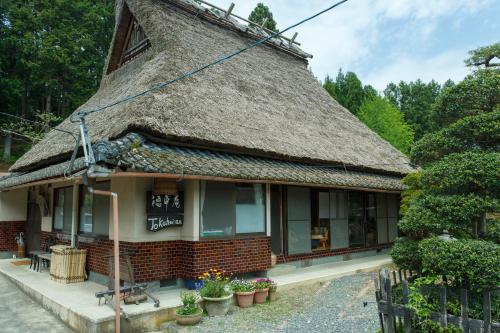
<point x="350" y="36"/>
<point x="444" y="66"/>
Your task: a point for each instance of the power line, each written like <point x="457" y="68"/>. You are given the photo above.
<point x="221" y="60"/>
<point x="32" y="138"/>
<point x="38" y="123"/>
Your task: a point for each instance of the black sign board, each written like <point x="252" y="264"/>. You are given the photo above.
<point x="164" y="210"/>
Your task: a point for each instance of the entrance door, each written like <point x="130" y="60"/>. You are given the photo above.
<point x="33" y="224"/>
<point x="356" y="219"/>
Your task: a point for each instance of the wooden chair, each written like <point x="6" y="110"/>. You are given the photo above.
<point x="133" y="292"/>
<point x="43" y="256"/>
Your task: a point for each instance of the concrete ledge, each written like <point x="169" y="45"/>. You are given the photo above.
<point x="76" y="304"/>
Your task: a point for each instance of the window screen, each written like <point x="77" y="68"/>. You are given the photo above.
<point x="94" y="210"/>
<point x="63" y="207"/>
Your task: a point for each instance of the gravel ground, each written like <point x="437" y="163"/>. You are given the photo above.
<point x="334" y="306"/>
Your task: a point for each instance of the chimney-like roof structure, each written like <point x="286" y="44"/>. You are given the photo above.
<point x="264" y="102"/>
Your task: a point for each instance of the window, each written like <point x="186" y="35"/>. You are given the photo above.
<point x="228" y="209"/>
<point x="63" y="207"/>
<point x="387" y="217"/>
<point x="94" y="210"/>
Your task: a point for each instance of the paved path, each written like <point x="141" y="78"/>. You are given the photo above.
<point x="20" y="314"/>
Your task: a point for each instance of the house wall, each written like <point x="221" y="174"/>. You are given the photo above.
<point x="13" y="210"/>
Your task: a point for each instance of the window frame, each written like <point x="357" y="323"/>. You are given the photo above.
<point x="234" y="234"/>
<point x="55" y="196"/>
<point x="81" y="198"/>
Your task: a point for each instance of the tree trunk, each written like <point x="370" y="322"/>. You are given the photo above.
<point x="7" y="146"/>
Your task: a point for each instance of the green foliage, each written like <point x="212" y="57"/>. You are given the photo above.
<point x="387" y="121"/>
<point x="51" y="54"/>
<point x="348" y="90"/>
<point x="414" y="189"/>
<point x="260" y="13"/>
<point x="483" y="56"/>
<point x="405" y="254"/>
<point x="415" y="100"/>
<point x="472" y="264"/>
<point x="471" y="172"/>
<point x="189" y="301"/>
<point x="473" y="133"/>
<point x="493" y="230"/>
<point x="431" y="214"/>
<point x="215" y="284"/>
<point x="477" y="93"/>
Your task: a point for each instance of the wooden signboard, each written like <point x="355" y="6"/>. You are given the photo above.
<point x="164" y="210"/>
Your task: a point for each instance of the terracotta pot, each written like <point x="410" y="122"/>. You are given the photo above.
<point x="261" y="295"/>
<point x="272" y="295"/>
<point x="245" y="298"/>
<point x="217" y="306"/>
<point x="191" y="319"/>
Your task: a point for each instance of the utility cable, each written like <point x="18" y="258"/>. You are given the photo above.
<point x="221" y="60"/>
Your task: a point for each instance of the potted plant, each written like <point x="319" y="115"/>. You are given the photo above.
<point x="273" y="286"/>
<point x="244" y="291"/>
<point x="189" y="313"/>
<point x="215" y="292"/>
<point x="261" y="290"/>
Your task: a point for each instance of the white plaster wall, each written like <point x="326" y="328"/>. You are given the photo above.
<point x="14" y="205"/>
<point x="132" y="212"/>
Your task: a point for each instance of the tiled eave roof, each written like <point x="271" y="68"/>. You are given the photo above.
<point x="133" y="153"/>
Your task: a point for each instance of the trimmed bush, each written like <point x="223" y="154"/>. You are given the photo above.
<point x="472" y="264"/>
<point x="431" y="214"/>
<point x="405" y="253"/>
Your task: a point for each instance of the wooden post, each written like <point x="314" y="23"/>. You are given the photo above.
<point x="395" y="278"/>
<point x="464" y="309"/>
<point x="487" y="312"/>
<point x="377" y="299"/>
<point x="443" y="313"/>
<point x="407" y="316"/>
<point x="386" y="290"/>
<point x="228" y="12"/>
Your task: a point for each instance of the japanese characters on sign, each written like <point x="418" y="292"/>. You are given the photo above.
<point x="164" y="210"/>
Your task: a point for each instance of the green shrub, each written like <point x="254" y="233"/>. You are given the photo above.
<point x="471" y="172"/>
<point x="189" y="301"/>
<point x="431" y="214"/>
<point x="493" y="230"/>
<point x="405" y="253"/>
<point x="472" y="264"/>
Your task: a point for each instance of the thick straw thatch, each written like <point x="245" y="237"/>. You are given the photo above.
<point x="263" y="102"/>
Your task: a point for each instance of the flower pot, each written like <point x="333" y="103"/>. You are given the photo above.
<point x="191" y="319"/>
<point x="245" y="298"/>
<point x="260" y="295"/>
<point x="272" y="295"/>
<point x="217" y="306"/>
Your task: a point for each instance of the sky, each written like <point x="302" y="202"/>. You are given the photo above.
<point x="385" y="41"/>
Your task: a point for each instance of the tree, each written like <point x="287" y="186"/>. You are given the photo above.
<point x="348" y="90"/>
<point x="387" y="121"/>
<point x="483" y="56"/>
<point x="415" y="100"/>
<point x="51" y="55"/>
<point x="263" y="16"/>
<point x="477" y="93"/>
<point x="457" y="186"/>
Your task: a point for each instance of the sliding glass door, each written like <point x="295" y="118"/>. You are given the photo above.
<point x="356" y="219"/>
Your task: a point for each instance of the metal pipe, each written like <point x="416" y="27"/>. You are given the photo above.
<point x="116" y="250"/>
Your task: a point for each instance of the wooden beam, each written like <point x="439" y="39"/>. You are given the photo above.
<point x="228" y="12"/>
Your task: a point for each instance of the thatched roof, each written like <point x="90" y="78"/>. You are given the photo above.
<point x="263" y="102"/>
<point x="135" y="153"/>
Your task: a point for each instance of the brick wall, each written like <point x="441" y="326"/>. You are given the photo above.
<point x="181" y="259"/>
<point x="9" y="230"/>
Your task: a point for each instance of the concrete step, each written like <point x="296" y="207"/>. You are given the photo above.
<point x="281" y="269"/>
